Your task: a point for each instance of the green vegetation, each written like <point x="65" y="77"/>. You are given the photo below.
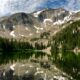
<point x="45" y="35"/>
<point x="11" y="45"/>
<point x="14" y="45"/>
<point x="65" y="50"/>
<point x="40" y="46"/>
<point x="13" y="50"/>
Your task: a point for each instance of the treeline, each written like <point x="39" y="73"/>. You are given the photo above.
<point x="10" y="45"/>
<point x="65" y="49"/>
<point x="45" y="35"/>
<point x="13" y="50"/>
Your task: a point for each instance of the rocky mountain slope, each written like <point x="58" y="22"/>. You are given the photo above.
<point x="22" y="25"/>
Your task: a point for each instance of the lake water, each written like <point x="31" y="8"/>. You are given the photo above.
<point x="8" y="56"/>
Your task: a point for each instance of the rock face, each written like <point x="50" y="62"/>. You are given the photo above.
<point x="29" y="25"/>
<point x="31" y="71"/>
<point x="53" y="14"/>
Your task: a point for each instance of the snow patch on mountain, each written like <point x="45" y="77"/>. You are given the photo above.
<point x="76" y="11"/>
<point x="45" y="20"/>
<point x="38" y="28"/>
<point x="12" y="34"/>
<point x="37" y="13"/>
<point x="59" y="22"/>
<point x="4" y="27"/>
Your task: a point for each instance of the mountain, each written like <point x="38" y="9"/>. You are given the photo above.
<point x="22" y="25"/>
<point x="49" y="40"/>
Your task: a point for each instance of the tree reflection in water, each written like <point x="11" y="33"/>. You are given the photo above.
<point x="8" y="56"/>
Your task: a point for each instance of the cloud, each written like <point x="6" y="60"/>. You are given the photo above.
<point x="28" y="6"/>
<point x="12" y="6"/>
<point x="73" y="5"/>
<point x="2" y="6"/>
<point x="24" y="5"/>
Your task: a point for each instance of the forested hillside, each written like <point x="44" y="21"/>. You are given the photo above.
<point x="66" y="49"/>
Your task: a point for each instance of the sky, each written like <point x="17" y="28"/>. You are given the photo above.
<point x="12" y="6"/>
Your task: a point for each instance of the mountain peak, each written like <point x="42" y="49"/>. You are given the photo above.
<point x="26" y="25"/>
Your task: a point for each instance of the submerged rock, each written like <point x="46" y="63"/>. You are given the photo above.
<point x="45" y="65"/>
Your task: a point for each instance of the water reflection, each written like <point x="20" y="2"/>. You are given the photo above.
<point x="8" y="56"/>
<point x="70" y="63"/>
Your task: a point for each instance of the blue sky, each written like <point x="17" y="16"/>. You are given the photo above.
<point x="53" y="4"/>
<point x="67" y="4"/>
<point x="28" y="6"/>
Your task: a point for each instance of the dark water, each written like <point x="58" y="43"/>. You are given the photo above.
<point x="6" y="56"/>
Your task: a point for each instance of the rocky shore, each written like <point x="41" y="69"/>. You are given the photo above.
<point x="32" y="71"/>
